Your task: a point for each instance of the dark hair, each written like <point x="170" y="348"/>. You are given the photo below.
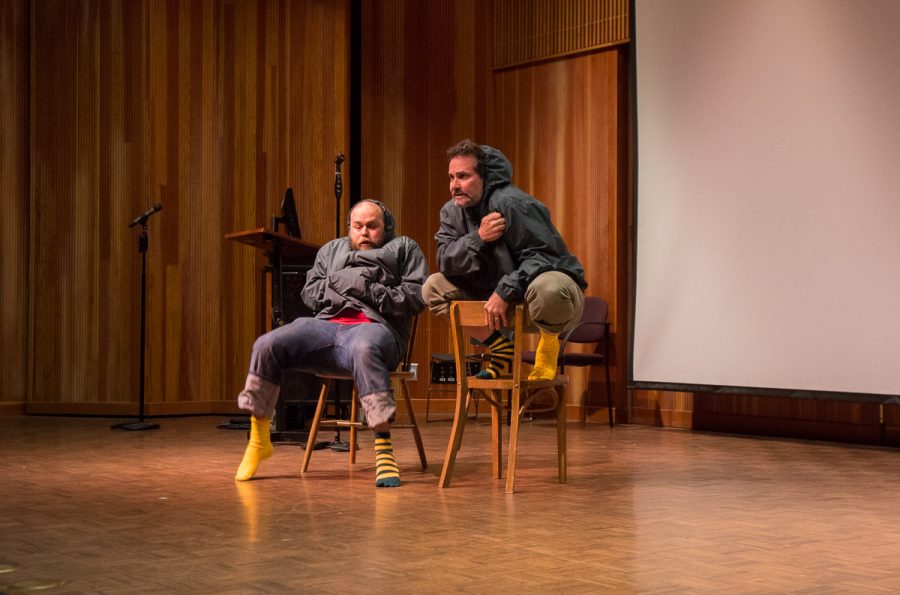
<point x="466" y="147"/>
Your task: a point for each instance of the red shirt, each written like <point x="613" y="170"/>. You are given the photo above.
<point x="349" y="317"/>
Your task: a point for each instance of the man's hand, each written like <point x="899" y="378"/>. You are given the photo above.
<point x="492" y="227"/>
<point x="495" y="312"/>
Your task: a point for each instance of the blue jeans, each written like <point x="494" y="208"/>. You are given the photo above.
<point x="367" y="350"/>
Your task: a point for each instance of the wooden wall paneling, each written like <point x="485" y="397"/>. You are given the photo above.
<point x="425" y="84"/>
<point x="769" y="415"/>
<point x="211" y="108"/>
<point x="559" y="123"/>
<point x="829" y="419"/>
<point x="400" y="104"/>
<point x="457" y="107"/>
<point x="890" y="418"/>
<point x="662" y="408"/>
<point x="14" y="184"/>
<point x="430" y="84"/>
<point x="62" y="200"/>
<point x="538" y="30"/>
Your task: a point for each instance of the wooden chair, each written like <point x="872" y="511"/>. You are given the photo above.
<point x="403" y="373"/>
<point x="520" y="390"/>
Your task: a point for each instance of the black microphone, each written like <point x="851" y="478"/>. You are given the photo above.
<point x="140" y="220"/>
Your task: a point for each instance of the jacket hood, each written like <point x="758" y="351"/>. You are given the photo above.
<point x="390" y="225"/>
<point x="497" y="169"/>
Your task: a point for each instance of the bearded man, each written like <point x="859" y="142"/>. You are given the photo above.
<point x="497" y="243"/>
<point x="363" y="290"/>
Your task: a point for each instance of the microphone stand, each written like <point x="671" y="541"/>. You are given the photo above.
<point x="338" y="190"/>
<point x="142" y="248"/>
<point x="337" y="444"/>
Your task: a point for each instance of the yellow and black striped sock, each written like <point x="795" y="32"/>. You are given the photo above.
<point x="387" y="473"/>
<point x="500" y="362"/>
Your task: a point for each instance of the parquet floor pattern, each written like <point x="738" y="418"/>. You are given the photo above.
<point x="646" y="510"/>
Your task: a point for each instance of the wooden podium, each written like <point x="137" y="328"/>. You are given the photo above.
<point x="289" y="259"/>
<point x="286" y="255"/>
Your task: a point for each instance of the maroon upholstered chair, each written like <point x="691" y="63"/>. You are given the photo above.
<point x="593" y="328"/>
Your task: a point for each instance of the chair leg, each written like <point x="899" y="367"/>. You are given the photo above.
<point x="497" y="433"/>
<point x="561" y="432"/>
<point x="417" y="436"/>
<point x="470" y="398"/>
<point x="314" y="428"/>
<point x="609" y="397"/>
<point x="456" y="432"/>
<point x="354" y="417"/>
<point x="513" y="439"/>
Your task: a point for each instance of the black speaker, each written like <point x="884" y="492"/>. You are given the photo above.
<point x="293" y="278"/>
<point x="300" y="392"/>
<point x="445" y="372"/>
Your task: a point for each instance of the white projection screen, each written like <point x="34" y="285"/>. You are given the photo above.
<point x="767" y="185"/>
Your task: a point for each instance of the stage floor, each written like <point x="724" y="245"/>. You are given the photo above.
<point x="86" y="509"/>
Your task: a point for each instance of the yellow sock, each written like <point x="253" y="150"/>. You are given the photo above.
<point x="259" y="447"/>
<point x="387" y="473"/>
<point x="545" y="357"/>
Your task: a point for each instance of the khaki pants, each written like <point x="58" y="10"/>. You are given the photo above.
<point x="554" y="300"/>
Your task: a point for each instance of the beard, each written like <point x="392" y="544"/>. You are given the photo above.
<point x="364" y="244"/>
<point x="465" y="201"/>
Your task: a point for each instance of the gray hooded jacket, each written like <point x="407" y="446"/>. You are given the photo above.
<point x="531" y="244"/>
<point x="383" y="283"/>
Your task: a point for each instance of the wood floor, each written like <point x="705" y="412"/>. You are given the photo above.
<point x="86" y="509"/>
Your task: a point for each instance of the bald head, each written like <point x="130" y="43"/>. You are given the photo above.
<point x="366" y="226"/>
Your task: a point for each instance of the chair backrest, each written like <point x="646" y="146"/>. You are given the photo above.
<point x="471" y="314"/>
<point x="593" y="325"/>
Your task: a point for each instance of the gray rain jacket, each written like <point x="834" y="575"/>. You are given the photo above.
<point x="383" y="283"/>
<point x="531" y="245"/>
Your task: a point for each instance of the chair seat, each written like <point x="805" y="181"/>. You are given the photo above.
<point x="507" y="382"/>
